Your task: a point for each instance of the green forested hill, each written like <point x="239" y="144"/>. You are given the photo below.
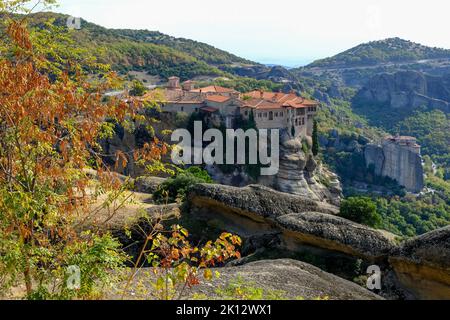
<point x="143" y="50"/>
<point x="393" y="50"/>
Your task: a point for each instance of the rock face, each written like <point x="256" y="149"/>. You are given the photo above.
<point x="147" y="184"/>
<point x="276" y="73"/>
<point x="299" y="218"/>
<point x="299" y="173"/>
<point x="423" y="264"/>
<point x="284" y="278"/>
<point x="397" y="161"/>
<point x="298" y="279"/>
<point x="415" y="269"/>
<point x="125" y="142"/>
<point x="407" y="89"/>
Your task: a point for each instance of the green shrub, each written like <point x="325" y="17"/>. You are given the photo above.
<point x="315" y="138"/>
<point x="177" y="187"/>
<point x="138" y="89"/>
<point x="361" y="210"/>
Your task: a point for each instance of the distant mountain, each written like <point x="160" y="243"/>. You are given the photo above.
<point x="392" y="50"/>
<point x="354" y="67"/>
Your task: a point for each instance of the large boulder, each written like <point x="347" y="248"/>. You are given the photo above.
<point x="147" y="184"/>
<point x="285" y="279"/>
<point x="257" y="200"/>
<point x="335" y="233"/>
<point x="309" y="221"/>
<point x="299" y="281"/>
<point x="422" y="264"/>
<point x="298" y="172"/>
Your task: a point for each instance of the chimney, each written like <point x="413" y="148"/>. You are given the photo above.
<point x="188" y="85"/>
<point x="261" y="94"/>
<point x="174" y="83"/>
<point x="235" y="95"/>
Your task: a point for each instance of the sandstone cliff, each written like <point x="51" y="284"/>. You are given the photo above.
<point x="300" y="174"/>
<point x="407" y="89"/>
<point x="288" y="279"/>
<point x="398" y="162"/>
<point x="299" y="218"/>
<point x="418" y="268"/>
<point x="423" y="264"/>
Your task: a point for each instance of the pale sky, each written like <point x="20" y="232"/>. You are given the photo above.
<point x="286" y="32"/>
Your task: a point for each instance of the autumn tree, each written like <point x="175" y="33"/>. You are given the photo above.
<point x="52" y="115"/>
<point x="53" y="178"/>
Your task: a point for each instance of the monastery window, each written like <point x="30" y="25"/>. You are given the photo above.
<point x="281" y="114"/>
<point x="265" y="114"/>
<point x="182" y="109"/>
<point x="276" y="114"/>
<point x="246" y="113"/>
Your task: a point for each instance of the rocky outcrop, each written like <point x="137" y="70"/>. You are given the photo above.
<point x="258" y="200"/>
<point x="397" y="161"/>
<point x="422" y="264"/>
<point x="335" y="233"/>
<point x="275" y="73"/>
<point x="147" y="184"/>
<point x="298" y="279"/>
<point x="308" y="221"/>
<point x="407" y="89"/>
<point x="282" y="279"/>
<point x="299" y="173"/>
<point x="415" y="269"/>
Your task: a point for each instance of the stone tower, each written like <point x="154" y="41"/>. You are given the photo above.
<point x="398" y="158"/>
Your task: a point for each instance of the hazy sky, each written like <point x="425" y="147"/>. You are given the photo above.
<point x="288" y="32"/>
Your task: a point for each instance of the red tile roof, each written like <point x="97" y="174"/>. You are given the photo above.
<point x="276" y="100"/>
<point x="214" y="89"/>
<point x="209" y="109"/>
<point x="218" y="98"/>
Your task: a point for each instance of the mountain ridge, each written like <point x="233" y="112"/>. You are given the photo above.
<point x="143" y="50"/>
<point x="392" y="50"/>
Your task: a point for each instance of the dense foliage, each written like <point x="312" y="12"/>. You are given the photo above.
<point x="244" y="84"/>
<point x="410" y="216"/>
<point x="315" y="139"/>
<point x="50" y="120"/>
<point x="57" y="193"/>
<point x="432" y="129"/>
<point x="141" y="50"/>
<point x="361" y="210"/>
<point x="401" y="214"/>
<point x="384" y="51"/>
<point x="137" y="89"/>
<point x="176" y="188"/>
